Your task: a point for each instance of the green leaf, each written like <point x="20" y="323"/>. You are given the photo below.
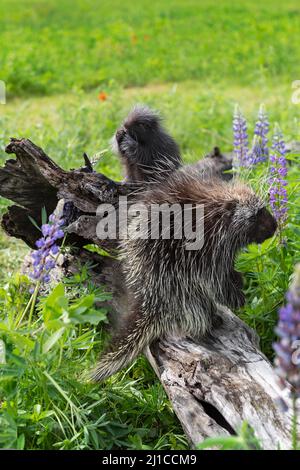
<point x="44" y="215"/>
<point x="98" y="250"/>
<point x="17" y="338"/>
<point x="54" y="306"/>
<point x="224" y="443"/>
<point x="57" y="293"/>
<point x="52" y="340"/>
<point x="94" y="317"/>
<point x="34" y="223"/>
<point x="83" y="311"/>
<point x="21" y="442"/>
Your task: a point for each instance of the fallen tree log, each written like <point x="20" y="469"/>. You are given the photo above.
<point x="215" y="384"/>
<point x="220" y="382"/>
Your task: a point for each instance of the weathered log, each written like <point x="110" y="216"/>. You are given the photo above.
<point x="34" y="181"/>
<point x="219" y="382"/>
<point x="214" y="383"/>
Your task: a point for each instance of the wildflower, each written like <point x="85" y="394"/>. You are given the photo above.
<point x="42" y="259"/>
<point x="241" y="145"/>
<point x="102" y="96"/>
<point x="287" y="349"/>
<point x="260" y="151"/>
<point x="278" y="182"/>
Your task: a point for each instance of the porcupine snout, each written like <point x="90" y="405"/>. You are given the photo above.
<point x="265" y="226"/>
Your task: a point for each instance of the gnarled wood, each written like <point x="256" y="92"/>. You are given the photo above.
<point x="219" y="382"/>
<point x="34" y="181"/>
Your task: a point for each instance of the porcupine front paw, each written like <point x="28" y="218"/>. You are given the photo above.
<point x="128" y="146"/>
<point x="120" y="135"/>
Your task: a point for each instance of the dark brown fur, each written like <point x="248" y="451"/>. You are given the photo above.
<point x="148" y="152"/>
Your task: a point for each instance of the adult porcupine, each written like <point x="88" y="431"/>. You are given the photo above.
<point x="173" y="289"/>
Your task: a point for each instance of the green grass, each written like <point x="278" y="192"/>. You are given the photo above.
<point x="50" y="47"/>
<point x="190" y="60"/>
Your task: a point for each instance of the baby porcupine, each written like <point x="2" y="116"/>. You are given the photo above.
<point x="148" y="152"/>
<point x="171" y="289"/>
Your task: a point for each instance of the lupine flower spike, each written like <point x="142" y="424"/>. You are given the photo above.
<point x="259" y="152"/>
<point x="287" y="351"/>
<point x="278" y="182"/>
<point x="42" y="259"/>
<point x="240" y="135"/>
<point x="288" y="347"/>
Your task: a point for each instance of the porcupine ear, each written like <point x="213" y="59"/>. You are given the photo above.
<point x="229" y="208"/>
<point x="216" y="153"/>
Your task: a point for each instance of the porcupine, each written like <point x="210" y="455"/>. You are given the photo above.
<point x="150" y="154"/>
<point x="171" y="289"/>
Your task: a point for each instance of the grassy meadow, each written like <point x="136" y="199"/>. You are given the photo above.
<point x="73" y="69"/>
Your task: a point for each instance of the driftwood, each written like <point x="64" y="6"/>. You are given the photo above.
<point x="215" y="384"/>
<point x="220" y="382"/>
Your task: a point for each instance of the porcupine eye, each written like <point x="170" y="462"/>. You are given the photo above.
<point x="262" y="226"/>
<point x="230" y="206"/>
<point x="229" y="209"/>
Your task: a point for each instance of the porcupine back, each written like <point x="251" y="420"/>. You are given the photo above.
<point x="233" y="217"/>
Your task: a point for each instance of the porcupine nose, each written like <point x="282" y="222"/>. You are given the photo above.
<point x="267" y="226"/>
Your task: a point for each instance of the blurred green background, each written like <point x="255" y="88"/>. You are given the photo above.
<point x="56" y="46"/>
<point x="73" y="69"/>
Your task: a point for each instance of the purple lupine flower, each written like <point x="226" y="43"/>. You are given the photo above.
<point x="278" y="182"/>
<point x="42" y="258"/>
<point x="287" y="348"/>
<point x="260" y="151"/>
<point x="240" y="138"/>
